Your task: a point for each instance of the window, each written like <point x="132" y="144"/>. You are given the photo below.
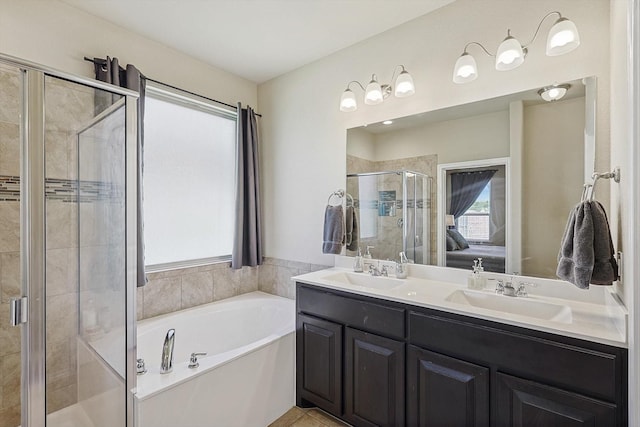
<point x="474" y="223"/>
<point x="189" y="179"/>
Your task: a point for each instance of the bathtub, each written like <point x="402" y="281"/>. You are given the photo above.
<point x="247" y="377"/>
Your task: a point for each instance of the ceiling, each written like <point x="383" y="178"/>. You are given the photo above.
<point x="258" y="39"/>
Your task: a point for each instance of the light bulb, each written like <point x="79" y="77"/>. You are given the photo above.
<point x="404" y="85"/>
<point x="563" y="37"/>
<point x="348" y="101"/>
<point x="465" y="70"/>
<point x="373" y="92"/>
<point x="510" y="54"/>
<point x="553" y="93"/>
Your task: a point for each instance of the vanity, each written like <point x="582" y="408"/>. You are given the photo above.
<point x="426" y="351"/>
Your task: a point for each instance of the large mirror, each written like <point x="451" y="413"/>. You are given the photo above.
<point x="493" y="179"/>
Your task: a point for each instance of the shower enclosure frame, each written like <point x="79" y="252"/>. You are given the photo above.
<point x="32" y="234"/>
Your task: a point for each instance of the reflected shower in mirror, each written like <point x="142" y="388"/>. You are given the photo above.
<point x="393" y="209"/>
<point x="544" y="150"/>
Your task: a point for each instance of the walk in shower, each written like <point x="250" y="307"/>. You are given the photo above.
<point x="67" y="249"/>
<point x="394" y="213"/>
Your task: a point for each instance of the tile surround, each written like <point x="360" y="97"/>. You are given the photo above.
<point x="173" y="290"/>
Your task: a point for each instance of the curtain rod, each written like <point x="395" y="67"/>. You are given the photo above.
<point x="180" y="89"/>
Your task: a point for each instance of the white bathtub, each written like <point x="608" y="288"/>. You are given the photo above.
<point x="247" y="377"/>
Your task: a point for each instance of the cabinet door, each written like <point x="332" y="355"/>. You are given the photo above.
<point x="319" y="363"/>
<point x="374" y="380"/>
<point x="443" y="391"/>
<point x="526" y="403"/>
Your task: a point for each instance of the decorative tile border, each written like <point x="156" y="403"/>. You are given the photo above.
<point x="65" y="190"/>
<point x="374" y="204"/>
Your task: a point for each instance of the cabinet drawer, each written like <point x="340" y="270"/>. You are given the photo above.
<point x="523" y="403"/>
<point x="584" y="370"/>
<point x="363" y="315"/>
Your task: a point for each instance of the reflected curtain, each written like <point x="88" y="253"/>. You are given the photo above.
<point x="498" y="209"/>
<point x="247" y="242"/>
<point x="465" y="189"/>
<point x="108" y="70"/>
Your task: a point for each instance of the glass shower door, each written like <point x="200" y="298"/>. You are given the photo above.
<point x="85" y="270"/>
<point x="11" y="85"/>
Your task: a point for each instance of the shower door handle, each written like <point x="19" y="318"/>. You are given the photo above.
<point x="18" y="311"/>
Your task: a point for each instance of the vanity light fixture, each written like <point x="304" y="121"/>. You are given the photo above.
<point x="375" y="93"/>
<point x="553" y="92"/>
<point x="563" y="37"/>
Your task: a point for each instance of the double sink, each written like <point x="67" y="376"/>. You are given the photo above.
<point x="484" y="300"/>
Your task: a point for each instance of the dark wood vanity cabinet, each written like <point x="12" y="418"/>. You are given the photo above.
<point x="374" y="362"/>
<point x="373" y="380"/>
<point x="523" y="403"/>
<point x="319" y="361"/>
<point x="443" y="391"/>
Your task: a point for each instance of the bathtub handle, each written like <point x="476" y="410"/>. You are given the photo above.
<point x="193" y="361"/>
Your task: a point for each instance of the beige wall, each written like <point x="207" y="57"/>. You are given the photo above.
<point x="304" y="137"/>
<point x="484" y="136"/>
<point x="553" y="171"/>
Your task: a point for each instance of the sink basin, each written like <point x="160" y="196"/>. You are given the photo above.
<point x="365" y="280"/>
<point x="514" y="305"/>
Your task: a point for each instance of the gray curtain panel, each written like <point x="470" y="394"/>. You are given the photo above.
<point x="465" y="189"/>
<point x="109" y="71"/>
<point x="247" y="242"/>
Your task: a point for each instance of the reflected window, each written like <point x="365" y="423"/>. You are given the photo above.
<point x="189" y="176"/>
<point x="474" y="224"/>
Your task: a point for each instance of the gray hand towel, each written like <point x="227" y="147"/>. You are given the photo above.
<point x="352" y="228"/>
<point x="576" y="257"/>
<point x="586" y="252"/>
<point x="605" y="268"/>
<point x="333" y="236"/>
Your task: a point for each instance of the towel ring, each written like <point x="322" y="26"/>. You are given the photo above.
<point x="350" y="199"/>
<point x="339" y="194"/>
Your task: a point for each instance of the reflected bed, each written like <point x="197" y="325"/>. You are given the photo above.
<point x="493" y="257"/>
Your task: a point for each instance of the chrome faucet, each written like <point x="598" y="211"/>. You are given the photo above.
<point x="375" y="271"/>
<point x="166" y="365"/>
<point x="507" y="289"/>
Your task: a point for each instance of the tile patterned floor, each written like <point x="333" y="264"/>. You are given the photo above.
<point x="311" y="417"/>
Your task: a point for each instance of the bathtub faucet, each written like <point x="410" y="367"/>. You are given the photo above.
<point x="166" y="365"/>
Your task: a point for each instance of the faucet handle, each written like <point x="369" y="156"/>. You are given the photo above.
<point x="521" y="291"/>
<point x="140" y="367"/>
<point x="500" y="287"/>
<point x="193" y="360"/>
<point x="384" y="271"/>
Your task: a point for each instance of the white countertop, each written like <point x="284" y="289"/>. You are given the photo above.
<point x="597" y="314"/>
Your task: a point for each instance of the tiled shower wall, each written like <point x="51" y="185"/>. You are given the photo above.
<point x="174" y="290"/>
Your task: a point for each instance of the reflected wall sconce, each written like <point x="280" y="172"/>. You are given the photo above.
<point x="553" y="92"/>
<point x="375" y="93"/>
<point x="563" y="37"/>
